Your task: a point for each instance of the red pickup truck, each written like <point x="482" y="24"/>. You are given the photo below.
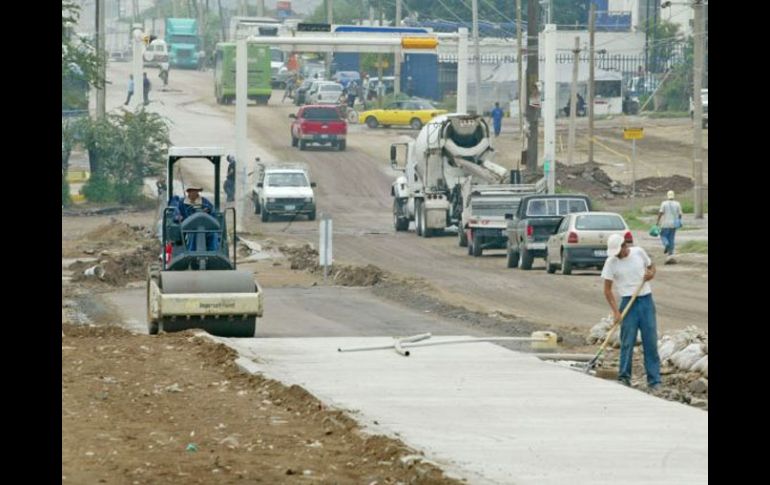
<point x="318" y="124"/>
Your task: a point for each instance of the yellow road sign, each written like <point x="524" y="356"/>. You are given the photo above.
<point x="633" y="133"/>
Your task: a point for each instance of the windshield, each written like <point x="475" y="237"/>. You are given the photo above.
<point x="321" y="114"/>
<point x="494" y="207"/>
<point x="276" y="55"/>
<point x="600" y="222"/>
<point x="287" y="180"/>
<point x="555" y="207"/>
<point x="184" y="39"/>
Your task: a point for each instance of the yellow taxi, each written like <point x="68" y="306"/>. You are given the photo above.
<point x="413" y="113"/>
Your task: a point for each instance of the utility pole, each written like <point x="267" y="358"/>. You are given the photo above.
<point x="477" y="55"/>
<point x="533" y="13"/>
<point x="397" y="55"/>
<point x="202" y="14"/>
<point x="522" y="88"/>
<point x="222" y="20"/>
<point x="462" y="71"/>
<point x="329" y="20"/>
<point x="573" y="102"/>
<point x="380" y="80"/>
<point x="138" y="65"/>
<point x="697" y="80"/>
<point x="260" y="8"/>
<point x="174" y="10"/>
<point x="241" y="126"/>
<point x="549" y="108"/>
<point x="100" y="52"/>
<point x="591" y="28"/>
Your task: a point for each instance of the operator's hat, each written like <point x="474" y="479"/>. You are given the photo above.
<point x="614" y="242"/>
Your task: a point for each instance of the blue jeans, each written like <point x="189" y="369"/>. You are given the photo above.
<point x="641" y="317"/>
<point x="667" y="235"/>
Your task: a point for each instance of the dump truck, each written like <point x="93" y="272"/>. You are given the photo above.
<point x="197" y="283"/>
<point x="448" y="150"/>
<point x="483" y="224"/>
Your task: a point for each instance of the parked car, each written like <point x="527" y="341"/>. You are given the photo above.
<point x="533" y="223"/>
<point x="411" y="113"/>
<point x="704" y="98"/>
<point x="580" y="241"/>
<point x="324" y="92"/>
<point x="283" y="191"/>
<point x="344" y="77"/>
<point x="318" y="124"/>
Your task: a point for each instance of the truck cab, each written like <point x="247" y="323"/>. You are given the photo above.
<point x="183" y="42"/>
<point x="283" y="191"/>
<point x="536" y="218"/>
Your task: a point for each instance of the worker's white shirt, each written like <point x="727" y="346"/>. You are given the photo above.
<point x="627" y="273"/>
<point x="671" y="211"/>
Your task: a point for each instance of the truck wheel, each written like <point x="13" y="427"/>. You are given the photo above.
<point x="525" y="259"/>
<point x="462" y="238"/>
<point x="294" y="141"/>
<point x="566" y="264"/>
<point x="477" y="241"/>
<point x="371" y="122"/>
<point x="265" y="215"/>
<point x="423" y="221"/>
<point x="550" y="268"/>
<point x="400" y="223"/>
<point x="341" y="145"/>
<point x="302" y="145"/>
<point x="469" y="242"/>
<point x="415" y="123"/>
<point x="256" y="206"/>
<point x="311" y="216"/>
<point x="512" y="259"/>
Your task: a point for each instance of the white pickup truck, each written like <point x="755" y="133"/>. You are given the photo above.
<point x="283" y="190"/>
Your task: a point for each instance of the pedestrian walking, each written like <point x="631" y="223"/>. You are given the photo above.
<point x="497" y="119"/>
<point x="624" y="270"/>
<point x="230" y="179"/>
<point x="147" y="87"/>
<point x="669" y="220"/>
<point x="130" y="89"/>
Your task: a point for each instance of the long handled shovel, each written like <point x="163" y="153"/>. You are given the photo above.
<point x="592" y="363"/>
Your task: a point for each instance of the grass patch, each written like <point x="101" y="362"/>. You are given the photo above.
<point x="667" y="114"/>
<point x="701" y="247"/>
<point x="688" y="206"/>
<point x="634" y="222"/>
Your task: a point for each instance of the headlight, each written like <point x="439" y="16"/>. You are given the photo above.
<point x="271" y="199"/>
<point x="308" y="199"/>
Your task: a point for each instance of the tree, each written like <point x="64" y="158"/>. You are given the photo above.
<point x="123" y="148"/>
<point x="77" y="54"/>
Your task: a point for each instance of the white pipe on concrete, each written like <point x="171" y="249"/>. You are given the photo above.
<point x="446" y="342"/>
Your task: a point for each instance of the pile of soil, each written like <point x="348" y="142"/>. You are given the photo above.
<point x="210" y="423"/>
<point x="119" y="268"/>
<point x="305" y="258"/>
<point x="590" y="179"/>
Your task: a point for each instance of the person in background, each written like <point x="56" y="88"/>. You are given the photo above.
<point x="130" y="89"/>
<point x="669" y="220"/>
<point x="497" y="119"/>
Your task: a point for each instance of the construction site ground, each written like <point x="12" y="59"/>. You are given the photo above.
<point x="125" y="412"/>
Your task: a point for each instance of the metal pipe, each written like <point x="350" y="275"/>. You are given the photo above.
<point x="443" y="342"/>
<point x="575" y="357"/>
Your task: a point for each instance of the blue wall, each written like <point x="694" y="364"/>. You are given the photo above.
<point x="346" y="61"/>
<point x="424" y="71"/>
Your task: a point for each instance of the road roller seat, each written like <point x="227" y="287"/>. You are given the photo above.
<point x="201" y="231"/>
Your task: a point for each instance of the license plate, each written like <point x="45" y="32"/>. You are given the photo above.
<point x="289" y="207"/>
<point x="600" y="253"/>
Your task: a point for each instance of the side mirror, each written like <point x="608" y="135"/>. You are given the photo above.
<point x="509" y="217"/>
<point x="312" y="184"/>
<point x="293" y="116"/>
<point x="260" y="184"/>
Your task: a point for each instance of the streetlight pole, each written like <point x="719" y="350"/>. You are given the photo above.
<point x="697" y="76"/>
<point x="591" y="28"/>
<point x="477" y="55"/>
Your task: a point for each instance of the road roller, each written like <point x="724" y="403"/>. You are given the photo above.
<point x="196" y="283"/>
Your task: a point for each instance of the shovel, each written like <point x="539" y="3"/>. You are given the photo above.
<point x="592" y="363"/>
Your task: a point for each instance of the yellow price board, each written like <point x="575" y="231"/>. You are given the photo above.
<point x="633" y="133"/>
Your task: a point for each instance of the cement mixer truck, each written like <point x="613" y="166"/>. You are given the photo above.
<point x="448" y="151"/>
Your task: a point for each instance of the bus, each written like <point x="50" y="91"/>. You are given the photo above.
<point x="258" y="78"/>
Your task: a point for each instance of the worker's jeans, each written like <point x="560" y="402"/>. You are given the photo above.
<point x="641" y="317"/>
<point x="667" y="235"/>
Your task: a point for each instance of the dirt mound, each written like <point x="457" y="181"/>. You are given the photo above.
<point x="677" y="183"/>
<point x="590" y="179"/>
<point x="116" y="232"/>
<point x="301" y="257"/>
<point x="345" y="275"/>
<point x="119" y="269"/>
